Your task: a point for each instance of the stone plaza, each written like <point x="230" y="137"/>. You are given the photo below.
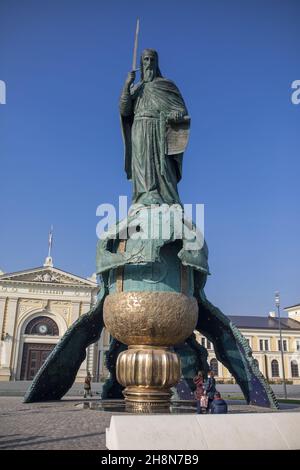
<point x="69" y="425"/>
<point x="146" y="353"/>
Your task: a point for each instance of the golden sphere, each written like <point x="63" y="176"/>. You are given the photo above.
<point x="150" y="318"/>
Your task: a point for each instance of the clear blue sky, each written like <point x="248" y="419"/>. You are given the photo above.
<point x="61" y="151"/>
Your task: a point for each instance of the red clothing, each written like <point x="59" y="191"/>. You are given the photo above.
<point x="199" y="387"/>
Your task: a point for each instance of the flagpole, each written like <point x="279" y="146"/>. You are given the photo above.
<point x="50" y="241"/>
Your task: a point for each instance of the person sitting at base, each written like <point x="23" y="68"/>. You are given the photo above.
<point x="218" y="406"/>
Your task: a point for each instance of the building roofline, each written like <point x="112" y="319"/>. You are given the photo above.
<point x="53" y="268"/>
<point x="236" y="319"/>
<point x="292" y="306"/>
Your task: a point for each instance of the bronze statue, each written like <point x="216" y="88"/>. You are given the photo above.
<point x="155" y="130"/>
<point x="151" y="313"/>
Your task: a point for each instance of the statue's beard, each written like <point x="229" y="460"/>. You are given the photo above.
<point x="149" y="74"/>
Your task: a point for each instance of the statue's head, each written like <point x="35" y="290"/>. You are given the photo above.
<point x="149" y="65"/>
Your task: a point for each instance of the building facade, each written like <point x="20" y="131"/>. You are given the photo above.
<point x="262" y="334"/>
<point x="37" y="306"/>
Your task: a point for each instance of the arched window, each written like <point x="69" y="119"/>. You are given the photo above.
<point x="275" y="368"/>
<point x="42" y="326"/>
<point x="214" y="366"/>
<point x="294" y="368"/>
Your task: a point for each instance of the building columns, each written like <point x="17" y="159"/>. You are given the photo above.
<point x="9" y="341"/>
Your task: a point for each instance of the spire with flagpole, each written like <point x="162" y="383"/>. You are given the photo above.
<point x="48" y="260"/>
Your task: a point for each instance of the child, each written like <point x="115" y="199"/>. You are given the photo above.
<point x="219" y="406"/>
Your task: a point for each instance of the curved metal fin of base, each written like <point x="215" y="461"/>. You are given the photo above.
<point x="111" y="388"/>
<point x="232" y="350"/>
<point x="193" y="358"/>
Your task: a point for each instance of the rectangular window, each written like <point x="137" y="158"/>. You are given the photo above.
<point x="297" y="345"/>
<point x="203" y="342"/>
<point x="264" y="345"/>
<point x="208" y="344"/>
<point x="284" y="342"/>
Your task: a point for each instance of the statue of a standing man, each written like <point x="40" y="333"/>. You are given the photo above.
<point x="155" y="129"/>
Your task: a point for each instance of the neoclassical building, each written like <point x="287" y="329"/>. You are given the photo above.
<point x="36" y="308"/>
<point x="262" y="334"/>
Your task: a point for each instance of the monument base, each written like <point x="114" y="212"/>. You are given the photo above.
<point x="253" y="431"/>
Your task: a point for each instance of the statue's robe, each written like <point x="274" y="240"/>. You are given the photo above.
<point x="144" y="110"/>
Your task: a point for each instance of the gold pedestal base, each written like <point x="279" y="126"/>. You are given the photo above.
<point x="149" y="322"/>
<point x="148" y="373"/>
<point x="147" y="400"/>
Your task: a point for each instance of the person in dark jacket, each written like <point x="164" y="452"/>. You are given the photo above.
<point x="210" y="388"/>
<point x="218" y="406"/>
<point x="87" y="385"/>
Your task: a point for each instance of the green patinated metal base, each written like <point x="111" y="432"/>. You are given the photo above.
<point x="155" y="131"/>
<point x="160" y="266"/>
